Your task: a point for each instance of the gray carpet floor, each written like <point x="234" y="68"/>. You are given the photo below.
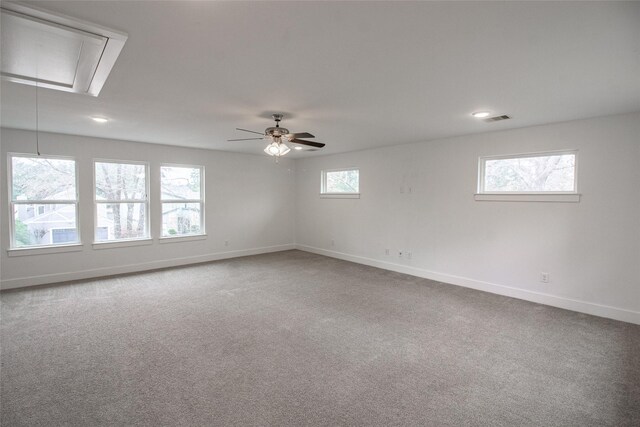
<point x="294" y="339"/>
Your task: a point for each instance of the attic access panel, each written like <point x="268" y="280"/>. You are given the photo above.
<point x="56" y="51"/>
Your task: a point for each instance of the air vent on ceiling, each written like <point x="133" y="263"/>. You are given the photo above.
<point x="497" y="118"/>
<point x="56" y="51"/>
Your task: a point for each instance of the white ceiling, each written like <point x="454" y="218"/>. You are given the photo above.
<point x="357" y="74"/>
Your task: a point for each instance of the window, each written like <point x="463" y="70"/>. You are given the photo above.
<point x="551" y="173"/>
<point x="182" y="196"/>
<point x="121" y="201"/>
<point x="43" y="199"/>
<point x="340" y="182"/>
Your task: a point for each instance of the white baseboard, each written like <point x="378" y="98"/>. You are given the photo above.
<point x="134" y="268"/>
<point x="542" y="298"/>
<point x="538" y="297"/>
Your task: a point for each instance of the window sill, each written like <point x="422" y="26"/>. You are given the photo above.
<point x="558" y="198"/>
<point x="177" y="239"/>
<point x="339" y="195"/>
<point x="44" y="250"/>
<point x="122" y="243"/>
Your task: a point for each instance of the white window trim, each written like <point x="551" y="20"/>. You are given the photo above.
<point x="527" y="196"/>
<point x="122" y="243"/>
<point x="346" y="195"/>
<point x="339" y="195"/>
<point x="99" y="244"/>
<point x="48" y="248"/>
<point x="201" y="201"/>
<point x="43" y="250"/>
<point x="182" y="238"/>
<point x="537" y="197"/>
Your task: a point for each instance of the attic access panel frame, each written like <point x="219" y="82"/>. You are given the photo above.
<point x="90" y="50"/>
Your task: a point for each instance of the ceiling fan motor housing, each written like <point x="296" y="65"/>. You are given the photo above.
<point x="276" y="131"/>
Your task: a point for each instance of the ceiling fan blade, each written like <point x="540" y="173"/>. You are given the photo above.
<point x="311" y="143"/>
<point x="246" y="139"/>
<point x="246" y="130"/>
<point x="299" y="135"/>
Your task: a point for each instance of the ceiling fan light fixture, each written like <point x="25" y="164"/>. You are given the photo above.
<point x="284" y="149"/>
<point x="276" y="149"/>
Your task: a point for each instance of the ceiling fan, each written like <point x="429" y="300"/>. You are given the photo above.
<point x="278" y="136"/>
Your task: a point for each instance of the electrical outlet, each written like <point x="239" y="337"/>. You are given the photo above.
<point x="226" y="243"/>
<point x="544" y="277"/>
<point x="386" y="251"/>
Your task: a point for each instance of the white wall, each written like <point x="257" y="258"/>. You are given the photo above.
<point x="591" y="249"/>
<point x="249" y="203"/>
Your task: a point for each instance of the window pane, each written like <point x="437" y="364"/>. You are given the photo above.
<point x="346" y="181"/>
<point x="121" y="221"/>
<point x="180" y="183"/>
<point x="36" y="225"/>
<point x="40" y="178"/>
<point x="535" y="174"/>
<point x="179" y="219"/>
<point x="120" y="181"/>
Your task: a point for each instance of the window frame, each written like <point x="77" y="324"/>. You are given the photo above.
<point x="201" y="201"/>
<point x="49" y="247"/>
<point x="545" y="196"/>
<point x="342" y="195"/>
<point x="99" y="244"/>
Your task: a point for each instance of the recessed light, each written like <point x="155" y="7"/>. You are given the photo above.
<point x="481" y="114"/>
<point x="297" y="148"/>
<point x="99" y="119"/>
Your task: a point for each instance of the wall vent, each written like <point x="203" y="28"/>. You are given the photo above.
<point x="497" y="118"/>
<point x="56" y="51"/>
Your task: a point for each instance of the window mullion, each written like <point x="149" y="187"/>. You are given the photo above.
<point x="183" y="201"/>
<point x="43" y="202"/>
